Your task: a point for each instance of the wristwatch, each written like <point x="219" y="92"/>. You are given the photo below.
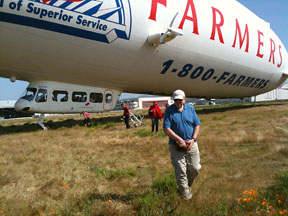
<point x="194" y="139"/>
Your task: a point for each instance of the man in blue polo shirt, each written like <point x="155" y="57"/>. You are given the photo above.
<point x="182" y="126"/>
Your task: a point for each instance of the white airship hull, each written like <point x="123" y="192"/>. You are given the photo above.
<point x="211" y="59"/>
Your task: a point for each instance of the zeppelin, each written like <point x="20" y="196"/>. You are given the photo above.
<point x="217" y="23"/>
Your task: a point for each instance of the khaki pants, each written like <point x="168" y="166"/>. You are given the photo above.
<point x="186" y="165"/>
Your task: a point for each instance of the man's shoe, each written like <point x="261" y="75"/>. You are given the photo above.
<point x="187" y="195"/>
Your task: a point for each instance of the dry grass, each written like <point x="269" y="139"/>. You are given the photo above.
<point x="73" y="170"/>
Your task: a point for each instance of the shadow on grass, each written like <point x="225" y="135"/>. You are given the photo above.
<point x="55" y="124"/>
<point x="224" y="108"/>
<point x="69" y="123"/>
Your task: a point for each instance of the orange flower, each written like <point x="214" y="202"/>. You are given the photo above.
<point x="245" y="192"/>
<point x="270" y="206"/>
<point x="251" y="192"/>
<point x="251" y="213"/>
<point x="1" y="212"/>
<point x="63" y="182"/>
<point x="281" y="212"/>
<point x="236" y="209"/>
<point x="39" y="210"/>
<point x="110" y="201"/>
<point x="52" y="213"/>
<point x="264" y="203"/>
<point x="280" y="201"/>
<point x="133" y="211"/>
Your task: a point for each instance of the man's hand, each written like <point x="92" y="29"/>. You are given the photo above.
<point x="189" y="144"/>
<point x="181" y="144"/>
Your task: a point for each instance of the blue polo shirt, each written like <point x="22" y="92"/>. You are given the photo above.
<point x="181" y="123"/>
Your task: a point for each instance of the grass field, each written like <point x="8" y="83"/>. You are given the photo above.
<point x="108" y="170"/>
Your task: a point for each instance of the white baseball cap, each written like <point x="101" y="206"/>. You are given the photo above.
<point x="178" y="94"/>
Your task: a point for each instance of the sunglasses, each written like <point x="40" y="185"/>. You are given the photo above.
<point x="178" y="100"/>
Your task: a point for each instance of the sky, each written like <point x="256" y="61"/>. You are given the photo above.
<point x="272" y="11"/>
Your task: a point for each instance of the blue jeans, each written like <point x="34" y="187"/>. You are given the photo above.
<point x="155" y="121"/>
